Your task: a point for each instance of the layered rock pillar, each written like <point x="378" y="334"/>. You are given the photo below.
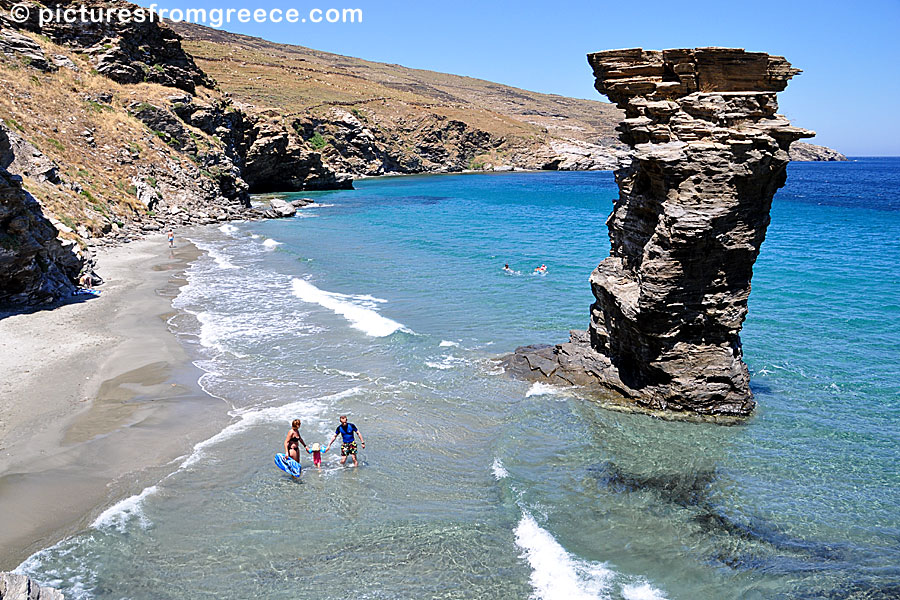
<point x="709" y="153"/>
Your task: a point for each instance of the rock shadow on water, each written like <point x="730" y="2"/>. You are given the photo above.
<point x="761" y="546"/>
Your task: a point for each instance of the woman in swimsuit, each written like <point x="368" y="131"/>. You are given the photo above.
<point x="293" y="441"/>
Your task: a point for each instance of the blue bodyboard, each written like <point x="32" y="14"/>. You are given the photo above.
<point x="84" y="292"/>
<point x="288" y="465"/>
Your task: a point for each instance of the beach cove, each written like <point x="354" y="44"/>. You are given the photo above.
<point x="97" y="398"/>
<point x="389" y="304"/>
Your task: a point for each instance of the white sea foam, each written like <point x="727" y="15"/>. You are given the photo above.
<point x="499" y="470"/>
<point x="254" y="236"/>
<point x="556" y="574"/>
<point x="641" y="591"/>
<point x="448" y="362"/>
<point x="228" y="228"/>
<point x="448" y="344"/>
<point x="118" y="515"/>
<point x="271" y="244"/>
<point x="542" y="389"/>
<point x="361" y="317"/>
<point x="222" y="259"/>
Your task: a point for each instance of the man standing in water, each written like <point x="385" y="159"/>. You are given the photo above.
<point x="347" y="431"/>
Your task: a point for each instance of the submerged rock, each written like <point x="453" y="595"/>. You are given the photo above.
<point x="709" y="152"/>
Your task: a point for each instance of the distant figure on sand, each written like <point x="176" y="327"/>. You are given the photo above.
<point x="293" y="441"/>
<point x="316" y="452"/>
<point x="86" y="281"/>
<point x="347" y="431"/>
<point x="171" y="236"/>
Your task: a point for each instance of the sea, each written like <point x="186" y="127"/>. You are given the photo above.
<point x="389" y="304"/>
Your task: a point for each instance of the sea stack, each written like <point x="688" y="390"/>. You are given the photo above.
<point x="708" y="154"/>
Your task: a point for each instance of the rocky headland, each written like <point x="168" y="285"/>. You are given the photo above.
<point x="709" y="153"/>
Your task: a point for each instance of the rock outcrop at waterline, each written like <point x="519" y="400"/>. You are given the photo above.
<point x="709" y="152"/>
<point x="21" y="587"/>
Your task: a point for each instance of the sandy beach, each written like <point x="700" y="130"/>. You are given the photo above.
<point x="96" y="399"/>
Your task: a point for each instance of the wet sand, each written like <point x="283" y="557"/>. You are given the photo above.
<point x="97" y="398"/>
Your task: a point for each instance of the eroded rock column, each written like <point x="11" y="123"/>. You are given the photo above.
<point x="709" y="153"/>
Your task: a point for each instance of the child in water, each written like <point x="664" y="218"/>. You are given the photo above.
<point x="316" y="450"/>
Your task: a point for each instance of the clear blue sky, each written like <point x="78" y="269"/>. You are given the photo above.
<point x="849" y="51"/>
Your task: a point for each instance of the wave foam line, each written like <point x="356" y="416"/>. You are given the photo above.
<point x="222" y="259"/>
<point x="365" y="319"/>
<point x="121" y="512"/>
<point x="556" y="574"/>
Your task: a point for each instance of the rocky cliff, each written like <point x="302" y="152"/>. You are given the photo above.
<point x="709" y="152"/>
<point x="112" y="130"/>
<point x="35" y="266"/>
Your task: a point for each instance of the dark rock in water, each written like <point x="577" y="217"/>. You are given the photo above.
<point x="709" y="152"/>
<point x="22" y="587"/>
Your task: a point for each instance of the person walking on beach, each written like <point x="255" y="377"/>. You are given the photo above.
<point x="171" y="236"/>
<point x="293" y="441"/>
<point x="348" y="433"/>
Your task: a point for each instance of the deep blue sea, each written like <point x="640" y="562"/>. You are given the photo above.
<point x="388" y="302"/>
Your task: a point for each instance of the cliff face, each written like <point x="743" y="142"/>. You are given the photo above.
<point x="34" y="265"/>
<point x="709" y="152"/>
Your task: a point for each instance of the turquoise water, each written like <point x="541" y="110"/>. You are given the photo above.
<point x="388" y="303"/>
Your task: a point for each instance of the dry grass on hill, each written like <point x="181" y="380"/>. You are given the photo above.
<point x="98" y="147"/>
<point x="294" y="79"/>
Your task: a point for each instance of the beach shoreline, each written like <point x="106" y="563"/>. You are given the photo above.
<point x="97" y="400"/>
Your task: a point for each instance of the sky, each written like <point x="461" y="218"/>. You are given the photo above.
<point x="849" y="51"/>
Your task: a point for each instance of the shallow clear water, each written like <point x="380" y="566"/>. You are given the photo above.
<point x="388" y="302"/>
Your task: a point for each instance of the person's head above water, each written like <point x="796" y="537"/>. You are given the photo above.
<point x="343" y="419"/>
<point x="295" y="424"/>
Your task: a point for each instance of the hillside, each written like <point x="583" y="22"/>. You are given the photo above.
<point x="379" y="118"/>
<point x="415" y="120"/>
